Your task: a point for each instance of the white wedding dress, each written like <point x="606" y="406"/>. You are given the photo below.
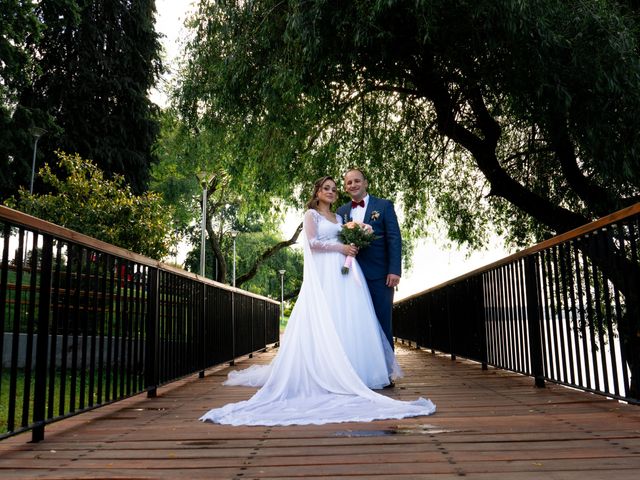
<point x="332" y="352"/>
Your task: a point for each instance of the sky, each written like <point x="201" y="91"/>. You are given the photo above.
<point x="169" y="22"/>
<point x="434" y="262"/>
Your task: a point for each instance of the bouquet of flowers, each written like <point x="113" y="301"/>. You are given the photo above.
<point x="358" y="234"/>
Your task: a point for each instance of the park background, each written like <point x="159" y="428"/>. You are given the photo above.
<point x="434" y="259"/>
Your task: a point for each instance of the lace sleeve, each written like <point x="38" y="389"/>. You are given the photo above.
<point x="311" y="220"/>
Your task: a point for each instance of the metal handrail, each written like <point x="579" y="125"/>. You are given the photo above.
<point x="566" y="310"/>
<point x="116" y="323"/>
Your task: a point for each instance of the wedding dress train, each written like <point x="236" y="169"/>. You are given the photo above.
<point x="332" y="352"/>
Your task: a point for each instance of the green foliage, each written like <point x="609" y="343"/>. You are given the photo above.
<point x="234" y="200"/>
<point x="520" y="114"/>
<point x="18" y="26"/>
<point x="249" y="245"/>
<point x="85" y="71"/>
<point x="174" y="176"/>
<point x="87" y="202"/>
<point x="71" y="387"/>
<point x="267" y="280"/>
<point x="184" y="153"/>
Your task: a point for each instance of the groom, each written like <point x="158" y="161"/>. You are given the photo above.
<point x="380" y="261"/>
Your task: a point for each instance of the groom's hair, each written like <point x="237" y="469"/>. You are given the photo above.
<point x="356" y="169"/>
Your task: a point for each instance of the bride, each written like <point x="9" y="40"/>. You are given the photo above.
<point x="333" y="352"/>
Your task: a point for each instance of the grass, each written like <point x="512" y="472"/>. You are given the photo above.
<point x="283" y="323"/>
<point x="18" y="398"/>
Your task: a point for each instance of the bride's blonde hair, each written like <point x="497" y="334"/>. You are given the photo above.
<point x="313" y="201"/>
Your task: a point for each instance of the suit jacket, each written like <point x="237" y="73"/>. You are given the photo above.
<point x="383" y="255"/>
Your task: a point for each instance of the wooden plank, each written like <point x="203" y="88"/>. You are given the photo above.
<point x="489" y="425"/>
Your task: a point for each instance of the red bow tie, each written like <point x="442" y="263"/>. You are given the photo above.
<point x="355" y="204"/>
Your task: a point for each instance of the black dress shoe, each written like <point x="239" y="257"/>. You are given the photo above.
<point x="390" y="385"/>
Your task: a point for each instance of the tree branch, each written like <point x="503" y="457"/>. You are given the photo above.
<point x="269" y="252"/>
<point x="484" y="152"/>
<point x="599" y="200"/>
<point x="215" y="246"/>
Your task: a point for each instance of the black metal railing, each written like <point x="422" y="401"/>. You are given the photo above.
<point x="565" y="311"/>
<point x="84" y="323"/>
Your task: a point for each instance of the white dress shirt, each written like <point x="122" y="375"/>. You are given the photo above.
<point x="357" y="213"/>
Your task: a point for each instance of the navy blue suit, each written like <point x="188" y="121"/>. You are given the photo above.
<point x="381" y="257"/>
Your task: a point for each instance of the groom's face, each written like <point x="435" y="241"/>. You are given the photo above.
<point x="355" y="184"/>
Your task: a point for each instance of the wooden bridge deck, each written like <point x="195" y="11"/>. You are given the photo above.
<point x="489" y="425"/>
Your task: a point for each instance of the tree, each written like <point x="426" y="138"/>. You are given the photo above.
<point x="519" y="114"/>
<point x="352" y="84"/>
<point x="17" y="23"/>
<point x="233" y="202"/>
<point x="105" y="209"/>
<point x="259" y="277"/>
<point x="93" y="65"/>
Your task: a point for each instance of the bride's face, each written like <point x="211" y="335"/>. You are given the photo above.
<point x="328" y="192"/>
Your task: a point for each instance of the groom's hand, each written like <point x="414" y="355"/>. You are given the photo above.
<point x="393" y="280"/>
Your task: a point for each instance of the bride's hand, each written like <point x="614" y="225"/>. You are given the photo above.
<point x="350" y="250"/>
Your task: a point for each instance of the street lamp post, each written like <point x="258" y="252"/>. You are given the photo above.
<point x="234" y="234"/>
<point x="37" y="132"/>
<point x="281" y="272"/>
<point x="204" y="180"/>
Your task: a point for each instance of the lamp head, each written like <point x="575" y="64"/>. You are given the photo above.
<point x="234" y="233"/>
<point x="37" y="132"/>
<point x="281" y="272"/>
<point x="204" y="178"/>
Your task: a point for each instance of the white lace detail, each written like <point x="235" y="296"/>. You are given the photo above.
<point x="321" y="237"/>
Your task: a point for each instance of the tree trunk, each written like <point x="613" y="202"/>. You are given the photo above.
<point x="612" y="262"/>
<point x="218" y="255"/>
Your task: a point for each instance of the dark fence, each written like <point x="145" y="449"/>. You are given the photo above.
<point x="85" y="324"/>
<point x="566" y="310"/>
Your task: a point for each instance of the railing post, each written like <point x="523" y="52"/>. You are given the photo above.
<point x="534" y="320"/>
<point x="449" y="322"/>
<point x="478" y="291"/>
<point x="4" y="275"/>
<point x="151" y="342"/>
<point x="429" y="309"/>
<point x="265" y="309"/>
<point x="42" y="345"/>
<point x="233" y="328"/>
<point x="203" y="326"/>
<point x="251" y="323"/>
